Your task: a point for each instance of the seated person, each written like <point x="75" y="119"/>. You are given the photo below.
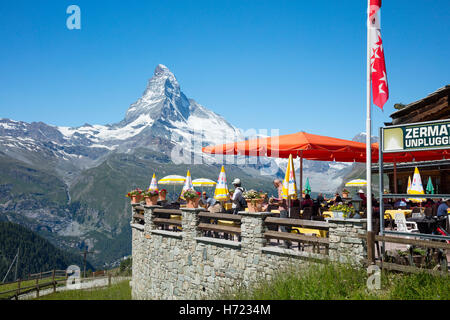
<point x="203" y="199"/>
<point x="320" y="199"/>
<point x="428" y="203"/>
<point x="443" y="207"/>
<point x="162" y="197"/>
<point x="307" y="202"/>
<point x="337" y="199"/>
<point x="400" y="203"/>
<point x="363" y="197"/>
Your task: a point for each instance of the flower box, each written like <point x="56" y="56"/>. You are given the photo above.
<point x="254" y="205"/>
<point x="151" y="201"/>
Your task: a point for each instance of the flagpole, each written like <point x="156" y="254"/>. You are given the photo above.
<point x="368" y="132"/>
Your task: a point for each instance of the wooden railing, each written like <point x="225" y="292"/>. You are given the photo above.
<point x="220" y="224"/>
<point x="167" y="219"/>
<point x="301" y="239"/>
<point x="34" y="282"/>
<point x="413" y="266"/>
<point x="43" y="280"/>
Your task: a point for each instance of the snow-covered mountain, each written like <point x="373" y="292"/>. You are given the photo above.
<point x="163" y="120"/>
<point x="160" y="120"/>
<point x="69" y="182"/>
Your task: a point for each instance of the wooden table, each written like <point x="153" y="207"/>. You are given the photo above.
<point x="390" y="214"/>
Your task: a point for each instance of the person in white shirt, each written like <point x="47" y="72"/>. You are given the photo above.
<point x="237" y="196"/>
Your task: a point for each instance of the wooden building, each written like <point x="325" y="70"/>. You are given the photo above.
<point x="433" y="107"/>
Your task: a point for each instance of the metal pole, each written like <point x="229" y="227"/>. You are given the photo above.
<point x="368" y="131"/>
<point x="85" y="253"/>
<point x="395" y="177"/>
<point x="3" y="281"/>
<point x="381" y="180"/>
<point x="17" y="263"/>
<point x="301" y="179"/>
<point x="380" y="171"/>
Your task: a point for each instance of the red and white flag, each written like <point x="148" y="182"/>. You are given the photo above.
<point x="380" y="91"/>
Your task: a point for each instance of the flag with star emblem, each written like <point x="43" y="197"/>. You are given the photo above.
<point x="380" y="91"/>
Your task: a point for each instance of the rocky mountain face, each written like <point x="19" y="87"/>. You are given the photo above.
<point x="69" y="183"/>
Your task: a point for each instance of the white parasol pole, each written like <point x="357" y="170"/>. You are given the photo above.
<point x="368" y="132"/>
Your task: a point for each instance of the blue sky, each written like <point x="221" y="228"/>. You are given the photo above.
<point x="292" y="65"/>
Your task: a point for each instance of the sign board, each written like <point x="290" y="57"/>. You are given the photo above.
<point x="417" y="136"/>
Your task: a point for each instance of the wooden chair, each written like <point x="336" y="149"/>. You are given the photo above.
<point x="307" y="213"/>
<point x="295" y="213"/>
<point x="429" y="212"/>
<point x="416" y="210"/>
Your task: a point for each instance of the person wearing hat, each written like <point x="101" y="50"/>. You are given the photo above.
<point x="443" y="207"/>
<point x="363" y="198"/>
<point x="238" y="197"/>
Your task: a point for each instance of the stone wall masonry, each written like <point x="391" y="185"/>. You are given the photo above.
<point x="185" y="265"/>
<point x="345" y="245"/>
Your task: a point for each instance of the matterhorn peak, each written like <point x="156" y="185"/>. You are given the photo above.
<point x="162" y="98"/>
<point x="161" y="70"/>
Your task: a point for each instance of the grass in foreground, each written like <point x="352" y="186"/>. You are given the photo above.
<point x="118" y="291"/>
<point x="341" y="282"/>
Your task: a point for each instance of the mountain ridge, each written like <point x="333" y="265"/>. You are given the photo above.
<point x="93" y="166"/>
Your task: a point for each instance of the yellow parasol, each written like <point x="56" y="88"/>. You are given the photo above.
<point x="416" y="187"/>
<point x="221" y="193"/>
<point x="153" y="185"/>
<point x="356" y="183"/>
<point x="289" y="190"/>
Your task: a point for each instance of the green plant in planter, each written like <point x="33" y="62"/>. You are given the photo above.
<point x="135" y="192"/>
<point x="191" y="194"/>
<point x="347" y="210"/>
<point x="151" y="193"/>
<point x="254" y="196"/>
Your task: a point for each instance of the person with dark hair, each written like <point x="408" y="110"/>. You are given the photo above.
<point x="307" y="202"/>
<point x="320" y="199"/>
<point x="442" y="210"/>
<point x="337" y="199"/>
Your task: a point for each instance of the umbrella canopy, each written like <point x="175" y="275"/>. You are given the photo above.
<point x="356" y="183"/>
<point x="409" y="185"/>
<point x="221" y="193"/>
<point x="289" y="189"/>
<point x="187" y="185"/>
<point x="307" y="187"/>
<point x="172" y="180"/>
<point x="315" y="147"/>
<point x="203" y="182"/>
<point x="416" y="186"/>
<point x="430" y="188"/>
<point x="306" y="145"/>
<point x="153" y="185"/>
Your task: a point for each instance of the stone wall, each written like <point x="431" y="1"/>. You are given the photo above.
<point x="186" y="265"/>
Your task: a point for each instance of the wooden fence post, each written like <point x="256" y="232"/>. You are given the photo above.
<point x="53" y="280"/>
<point x="109" y="280"/>
<point x="18" y="289"/>
<point x="37" y="287"/>
<point x="371" y="247"/>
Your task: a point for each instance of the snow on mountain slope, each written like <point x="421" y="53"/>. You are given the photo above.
<point x="162" y="119"/>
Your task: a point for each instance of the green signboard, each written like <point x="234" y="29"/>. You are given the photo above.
<point x="417" y="136"/>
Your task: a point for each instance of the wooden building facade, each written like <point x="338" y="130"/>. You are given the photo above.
<point x="433" y="107"/>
